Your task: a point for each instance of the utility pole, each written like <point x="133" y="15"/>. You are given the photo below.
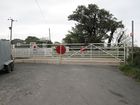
<point x="11" y="27"/>
<point x="132" y="40"/>
<point x="49" y="34"/>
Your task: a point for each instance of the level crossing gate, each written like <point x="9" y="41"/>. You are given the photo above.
<point x="75" y="53"/>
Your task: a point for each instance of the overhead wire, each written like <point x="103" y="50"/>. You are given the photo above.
<point x="41" y="11"/>
<point x="42" y="14"/>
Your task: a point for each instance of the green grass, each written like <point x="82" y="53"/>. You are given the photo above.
<point x="131" y="71"/>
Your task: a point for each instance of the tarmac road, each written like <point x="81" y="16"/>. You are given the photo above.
<point x="46" y="84"/>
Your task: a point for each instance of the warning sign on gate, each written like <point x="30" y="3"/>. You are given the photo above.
<point x="82" y="49"/>
<point x="33" y="45"/>
<point x="60" y="49"/>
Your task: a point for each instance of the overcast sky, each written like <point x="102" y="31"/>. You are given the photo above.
<point x="33" y="20"/>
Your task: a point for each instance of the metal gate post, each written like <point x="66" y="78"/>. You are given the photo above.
<point x="117" y="51"/>
<point x="124" y="54"/>
<point x="30" y="51"/>
<point x="127" y="52"/>
<point x="44" y="48"/>
<point x="91" y="51"/>
<point x="60" y="56"/>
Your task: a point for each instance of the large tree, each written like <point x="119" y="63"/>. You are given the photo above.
<point x="93" y="25"/>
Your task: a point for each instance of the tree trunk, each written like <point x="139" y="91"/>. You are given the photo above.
<point x="110" y="38"/>
<point x="119" y="39"/>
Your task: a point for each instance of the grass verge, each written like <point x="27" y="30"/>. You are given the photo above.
<point x="131" y="71"/>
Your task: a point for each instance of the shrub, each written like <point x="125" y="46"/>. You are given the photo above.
<point x="131" y="71"/>
<point x="136" y="57"/>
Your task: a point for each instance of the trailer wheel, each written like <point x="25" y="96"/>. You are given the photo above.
<point x="8" y="68"/>
<point x="12" y="66"/>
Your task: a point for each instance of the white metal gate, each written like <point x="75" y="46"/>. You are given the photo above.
<point x="79" y="52"/>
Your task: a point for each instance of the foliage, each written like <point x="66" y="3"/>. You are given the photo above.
<point x="4" y="39"/>
<point x="30" y="39"/>
<point x="37" y="40"/>
<point x="136" y="57"/>
<point x="44" y="41"/>
<point x="132" y="68"/>
<point x="93" y="25"/>
<point x="15" y="41"/>
<point x="56" y="42"/>
<point x="75" y="37"/>
<point x="131" y="71"/>
<point x="120" y="37"/>
<point x="49" y="42"/>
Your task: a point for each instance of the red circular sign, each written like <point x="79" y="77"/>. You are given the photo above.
<point x="82" y="49"/>
<point x="60" y="49"/>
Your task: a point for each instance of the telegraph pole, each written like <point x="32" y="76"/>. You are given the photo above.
<point x="132" y="40"/>
<point x="11" y="27"/>
<point x="49" y="34"/>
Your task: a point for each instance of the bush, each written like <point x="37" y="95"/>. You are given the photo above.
<point x="131" y="71"/>
<point x="136" y="57"/>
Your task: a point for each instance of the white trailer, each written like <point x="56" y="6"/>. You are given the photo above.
<point x="6" y="60"/>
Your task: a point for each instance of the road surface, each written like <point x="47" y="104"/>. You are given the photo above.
<point x="48" y="84"/>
